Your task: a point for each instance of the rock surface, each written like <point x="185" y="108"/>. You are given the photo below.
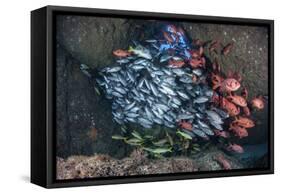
<point x="91" y="41"/>
<point x="84" y="124"/>
<point x="76" y="167"/>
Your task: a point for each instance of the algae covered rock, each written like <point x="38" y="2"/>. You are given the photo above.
<point x="91" y="40"/>
<point x="138" y="164"/>
<point x="84" y="124"/>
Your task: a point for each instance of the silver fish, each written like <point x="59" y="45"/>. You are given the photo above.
<point x="164" y="58"/>
<point x="208" y="131"/>
<point x="132" y="114"/>
<point x="168" y="90"/>
<point x="200" y="133"/>
<point x="113" y="69"/>
<point x="203" y="124"/>
<point x="120" y="90"/>
<point x="201" y="99"/>
<point x="123" y="61"/>
<point x="151" y="41"/>
<point x="183" y="95"/>
<point x="214" y="116"/>
<point x="117" y="94"/>
<point x="197" y="72"/>
<point x="222" y="113"/>
<point x="216" y="125"/>
<point x="153" y="89"/>
<point x="129" y="106"/>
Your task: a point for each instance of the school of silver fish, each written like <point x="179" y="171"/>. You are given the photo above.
<point x="150" y="85"/>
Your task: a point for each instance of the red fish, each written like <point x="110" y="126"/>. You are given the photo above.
<point x="235" y="148"/>
<point x="176" y="63"/>
<point x="231" y="108"/>
<point x="216" y="66"/>
<point x="121" y="53"/>
<point x="223" y="134"/>
<point x="214" y="45"/>
<point x="230" y="84"/>
<point x="244" y="122"/>
<point x="238" y="130"/>
<point x="168" y="37"/>
<point x="185" y="125"/>
<point x="198" y="42"/>
<point x="226" y="50"/>
<point x="244" y="93"/>
<point x="258" y="103"/>
<point x="223" y="162"/>
<point x="195" y="63"/>
<point x="246" y="111"/>
<point x="196" y="54"/>
<point x="238" y="100"/>
<point x="216" y="80"/>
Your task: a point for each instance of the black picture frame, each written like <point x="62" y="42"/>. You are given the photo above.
<point x="43" y="80"/>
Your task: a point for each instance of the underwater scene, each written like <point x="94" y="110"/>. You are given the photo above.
<point x="144" y="97"/>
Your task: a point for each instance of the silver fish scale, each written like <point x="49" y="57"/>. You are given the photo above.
<point x="148" y="92"/>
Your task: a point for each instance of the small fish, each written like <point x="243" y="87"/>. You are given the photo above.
<point x="222" y="113"/>
<point x="200" y="133"/>
<point x="139" y="61"/>
<point x="183" y="95"/>
<point x="138" y="67"/>
<point x="178" y="72"/>
<point x="158" y="150"/>
<point x="121" y="53"/>
<point x="93" y="133"/>
<point x="214" y="116"/>
<point x="117" y="94"/>
<point x="154" y="89"/>
<point x="197" y="72"/>
<point x="201" y="99"/>
<point x="141" y="52"/>
<point x="186" y="80"/>
<point x="85" y="69"/>
<point x="235" y="148"/>
<point x="168" y="90"/>
<point x="208" y="131"/>
<point x="158" y="120"/>
<point x="164" y="58"/>
<point x="120" y="90"/>
<point x="122" y="61"/>
<point x="168" y="37"/>
<point x="203" y="124"/>
<point x="216" y="125"/>
<point x="129" y="106"/>
<point x="226" y="50"/>
<point x="223" y="162"/>
<point x="151" y="41"/>
<point x="176" y="64"/>
<point x="132" y="114"/>
<point x="113" y="69"/>
<point x="258" y="103"/>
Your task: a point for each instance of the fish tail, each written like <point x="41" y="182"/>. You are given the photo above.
<point x="130" y="49"/>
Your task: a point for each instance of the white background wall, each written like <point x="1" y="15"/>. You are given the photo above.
<point x="15" y="95"/>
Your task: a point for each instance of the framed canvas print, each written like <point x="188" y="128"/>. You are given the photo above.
<point x="124" y="96"/>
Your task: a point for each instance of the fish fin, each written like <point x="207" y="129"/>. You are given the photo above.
<point x="130" y="49"/>
<point x="215" y="86"/>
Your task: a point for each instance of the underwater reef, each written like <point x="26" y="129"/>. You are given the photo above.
<point x="190" y="85"/>
<point x="137" y="163"/>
